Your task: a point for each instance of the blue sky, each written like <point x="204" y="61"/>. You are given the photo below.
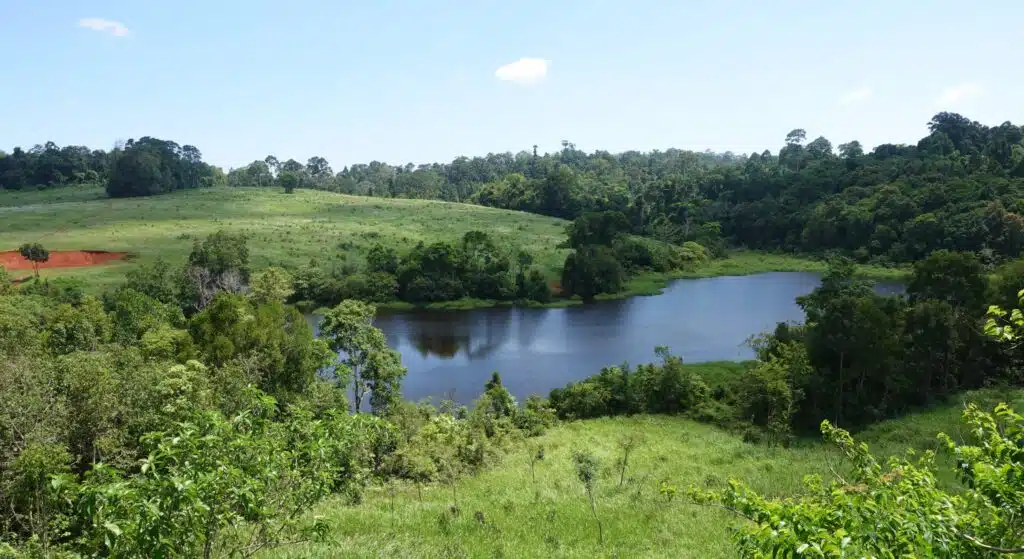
<point x="355" y="80"/>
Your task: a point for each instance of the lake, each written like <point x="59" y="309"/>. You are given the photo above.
<point x="453" y="353"/>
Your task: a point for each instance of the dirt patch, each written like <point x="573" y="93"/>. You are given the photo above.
<point x="12" y="260"/>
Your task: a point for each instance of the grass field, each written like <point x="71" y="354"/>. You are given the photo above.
<point x="284" y="230"/>
<point x="551" y="517"/>
<point x="289" y="230"/>
<point x="746" y="262"/>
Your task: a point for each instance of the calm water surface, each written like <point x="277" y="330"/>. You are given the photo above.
<point x="536" y="350"/>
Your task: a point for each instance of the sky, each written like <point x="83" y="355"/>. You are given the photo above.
<point x="422" y="81"/>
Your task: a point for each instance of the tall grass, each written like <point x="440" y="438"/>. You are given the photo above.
<point x="539" y="508"/>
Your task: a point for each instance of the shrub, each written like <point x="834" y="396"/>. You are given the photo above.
<point x="6" y="282"/>
<point x="83" y="327"/>
<point x="590" y="271"/>
<point x="668" y="387"/>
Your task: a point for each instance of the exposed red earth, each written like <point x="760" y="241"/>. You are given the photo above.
<point x="12" y="260"/>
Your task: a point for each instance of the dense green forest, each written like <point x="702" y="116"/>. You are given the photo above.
<point x="958" y="188"/>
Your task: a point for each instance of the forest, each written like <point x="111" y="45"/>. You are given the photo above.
<point x="958" y="188"/>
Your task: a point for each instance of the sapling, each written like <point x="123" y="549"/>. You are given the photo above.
<point x="627" y="445"/>
<point x="586" y="471"/>
<point x="537" y="456"/>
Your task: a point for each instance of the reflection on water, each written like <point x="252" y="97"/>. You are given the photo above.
<point x="536" y="350"/>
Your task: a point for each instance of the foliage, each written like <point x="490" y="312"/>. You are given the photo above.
<point x="82" y="327"/>
<point x="586" y="470"/>
<point x="6" y="282"/>
<point x="133" y="313"/>
<point x="272" y="341"/>
<point x="272" y="285"/>
<point x="289" y="181"/>
<point x="364" y="358"/>
<point x="219" y="263"/>
<point x="35" y="253"/>
<point x="668" y="387"/>
<point x="213" y="486"/>
<point x="771" y="390"/>
<point x="149" y="166"/>
<point x="956" y="189"/>
<point x="475" y="267"/>
<point x="898" y="510"/>
<point x="591" y="271"/>
<point x="597" y="228"/>
<point x="155" y="280"/>
<point x="52" y="165"/>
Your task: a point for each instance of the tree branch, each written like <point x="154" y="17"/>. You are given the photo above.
<point x="987" y="547"/>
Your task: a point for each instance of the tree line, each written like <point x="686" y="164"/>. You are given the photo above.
<point x="141" y="167"/>
<point x="958" y="188"/>
<point x="857" y="358"/>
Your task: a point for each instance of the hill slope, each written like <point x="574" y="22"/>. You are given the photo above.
<point x="551" y="517"/>
<point x="283" y="229"/>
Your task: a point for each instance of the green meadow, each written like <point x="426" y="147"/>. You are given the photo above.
<point x="283" y="229"/>
<point x="507" y="511"/>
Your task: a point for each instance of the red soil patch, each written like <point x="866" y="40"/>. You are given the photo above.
<point x="61" y="259"/>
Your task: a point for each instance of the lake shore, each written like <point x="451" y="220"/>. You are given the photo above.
<point x="737" y="263"/>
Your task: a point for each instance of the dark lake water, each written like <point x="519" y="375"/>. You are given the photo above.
<point x="536" y="350"/>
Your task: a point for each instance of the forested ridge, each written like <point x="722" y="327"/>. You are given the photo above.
<point x="958" y="188"/>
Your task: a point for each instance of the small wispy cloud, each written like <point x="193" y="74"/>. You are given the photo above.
<point x="959" y="93"/>
<point x="856" y="95"/>
<point x="525" y="71"/>
<point x="115" y="28"/>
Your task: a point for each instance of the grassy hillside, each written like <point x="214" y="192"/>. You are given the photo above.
<point x="551" y="517"/>
<point x="283" y="229"/>
<point x="288" y="230"/>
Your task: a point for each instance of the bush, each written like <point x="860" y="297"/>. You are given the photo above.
<point x="668" y="388"/>
<point x="590" y="271"/>
<point x="83" y="327"/>
<point x="6" y="282"/>
<point x="635" y="255"/>
<point x="374" y="287"/>
<point x="62" y="290"/>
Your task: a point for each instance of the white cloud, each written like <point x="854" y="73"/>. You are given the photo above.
<point x="956" y="94"/>
<point x="115" y="28"/>
<point x="856" y="96"/>
<point x="524" y="71"/>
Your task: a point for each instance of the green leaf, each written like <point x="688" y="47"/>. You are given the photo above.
<point x="112" y="528"/>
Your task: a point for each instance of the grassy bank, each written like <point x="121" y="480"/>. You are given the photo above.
<point x="745" y="262"/>
<point x="551" y="517"/>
